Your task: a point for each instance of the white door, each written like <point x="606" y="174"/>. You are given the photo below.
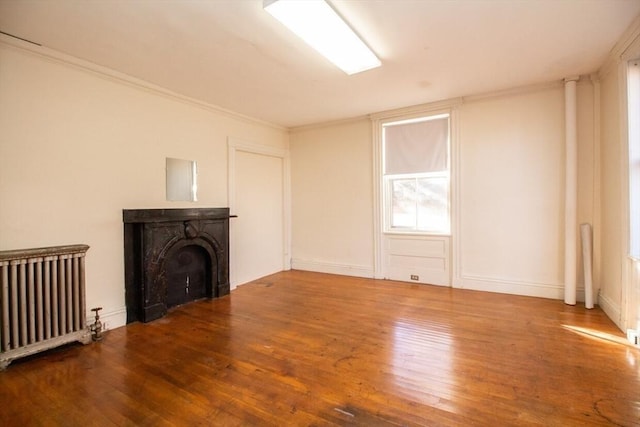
<point x="258" y="234"/>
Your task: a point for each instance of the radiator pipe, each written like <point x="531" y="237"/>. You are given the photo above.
<point x="571" y="190"/>
<point x="96" y="327"/>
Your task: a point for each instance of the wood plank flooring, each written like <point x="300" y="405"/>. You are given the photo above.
<point x="310" y="349"/>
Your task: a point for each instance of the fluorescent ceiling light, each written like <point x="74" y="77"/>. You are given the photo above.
<point x="319" y="25"/>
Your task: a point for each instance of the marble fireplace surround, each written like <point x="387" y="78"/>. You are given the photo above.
<point x="151" y="236"/>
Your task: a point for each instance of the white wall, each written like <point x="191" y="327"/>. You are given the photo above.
<point x="78" y="146"/>
<point x="610" y="275"/>
<point x="511" y="178"/>
<point x="332" y="198"/>
<point x="511" y="191"/>
<point x="509" y="204"/>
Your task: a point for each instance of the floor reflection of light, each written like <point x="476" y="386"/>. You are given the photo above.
<point x="422" y="362"/>
<point x="633" y="352"/>
<point x="598" y="335"/>
<point x="632" y="358"/>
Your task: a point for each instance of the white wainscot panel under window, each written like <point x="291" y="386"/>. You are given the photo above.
<point x="424" y="257"/>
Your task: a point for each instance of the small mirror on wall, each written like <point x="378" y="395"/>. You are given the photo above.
<point x="182" y="183"/>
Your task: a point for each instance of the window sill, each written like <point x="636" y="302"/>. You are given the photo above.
<point x="415" y="233"/>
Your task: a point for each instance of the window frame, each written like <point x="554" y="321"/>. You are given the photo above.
<point x="633" y="159"/>
<point x="386" y="180"/>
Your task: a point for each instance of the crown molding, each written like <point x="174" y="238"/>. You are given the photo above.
<point x="111" y="75"/>
<point x="417" y="109"/>
<point x="519" y="90"/>
<point x="332" y="123"/>
<point x="625" y="48"/>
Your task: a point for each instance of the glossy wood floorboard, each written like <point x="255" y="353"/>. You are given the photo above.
<point x="311" y="349"/>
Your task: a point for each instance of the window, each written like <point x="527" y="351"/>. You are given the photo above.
<point x="633" y="96"/>
<point x="416" y="175"/>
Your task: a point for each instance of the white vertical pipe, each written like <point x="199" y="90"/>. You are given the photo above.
<point x="571" y="190"/>
<point x="597" y="205"/>
<point x="585" y="233"/>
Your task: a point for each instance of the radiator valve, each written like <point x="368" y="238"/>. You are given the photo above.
<point x="96" y="328"/>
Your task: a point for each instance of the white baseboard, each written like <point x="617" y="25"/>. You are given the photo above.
<point x="110" y="319"/>
<point x="332" y="268"/>
<point x="611" y="309"/>
<point x="530" y="289"/>
<point x="511" y="287"/>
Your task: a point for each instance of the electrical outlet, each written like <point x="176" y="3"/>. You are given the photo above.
<point x="415" y="277"/>
<point x="632" y="336"/>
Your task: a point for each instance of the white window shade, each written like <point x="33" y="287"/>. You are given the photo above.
<point x="417" y="147"/>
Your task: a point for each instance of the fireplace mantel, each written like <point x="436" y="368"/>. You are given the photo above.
<point x="151" y="236"/>
<point x="171" y="215"/>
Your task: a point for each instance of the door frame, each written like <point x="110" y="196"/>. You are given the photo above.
<point x="236" y="145"/>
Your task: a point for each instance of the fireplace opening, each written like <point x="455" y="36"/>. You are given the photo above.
<point x="187" y="271"/>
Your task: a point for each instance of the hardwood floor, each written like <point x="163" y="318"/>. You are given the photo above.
<point x="302" y="349"/>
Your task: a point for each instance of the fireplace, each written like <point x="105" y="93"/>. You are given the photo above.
<point x="172" y="257"/>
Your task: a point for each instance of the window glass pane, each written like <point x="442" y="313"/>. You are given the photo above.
<point x="433" y="204"/>
<point x="403" y="203"/>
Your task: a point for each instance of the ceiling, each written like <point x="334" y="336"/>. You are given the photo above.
<point x="232" y="54"/>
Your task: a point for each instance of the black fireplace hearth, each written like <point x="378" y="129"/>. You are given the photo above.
<point x="174" y="256"/>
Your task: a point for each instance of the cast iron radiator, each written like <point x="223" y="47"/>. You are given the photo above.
<point x="42" y="300"/>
